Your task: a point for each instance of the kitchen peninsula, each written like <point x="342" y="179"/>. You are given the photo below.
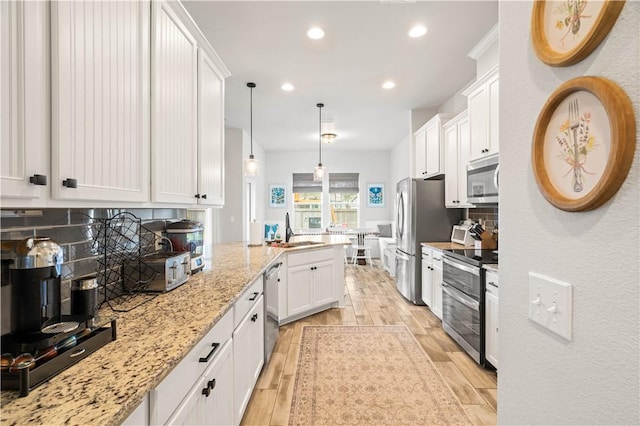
<point x="106" y="387"/>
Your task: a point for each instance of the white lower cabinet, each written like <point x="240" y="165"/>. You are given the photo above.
<point x="248" y="350"/>
<point x="432" y="279"/>
<point x="314" y="281"/>
<point x="491" y="318"/>
<point x="210" y="401"/>
<point x="177" y="389"/>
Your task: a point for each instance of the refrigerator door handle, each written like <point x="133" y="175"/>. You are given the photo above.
<point x="402" y="255"/>
<point x="400" y="221"/>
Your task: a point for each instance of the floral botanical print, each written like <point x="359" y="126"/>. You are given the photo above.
<point x="570" y="13"/>
<point x="575" y="143"/>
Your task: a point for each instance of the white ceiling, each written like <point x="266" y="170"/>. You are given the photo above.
<point x="366" y="43"/>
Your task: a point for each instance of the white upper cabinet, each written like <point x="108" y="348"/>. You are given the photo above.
<point x="100" y="100"/>
<point x="482" y="100"/>
<point x="24" y="101"/>
<point x="457" y="147"/>
<point x="210" y="132"/>
<point x="174" y="116"/>
<point x="420" y="166"/>
<point x="433" y="138"/>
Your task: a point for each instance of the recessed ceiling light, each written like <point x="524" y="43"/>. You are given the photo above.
<point x="417" y="31"/>
<point x="388" y="84"/>
<point x="315" y="33"/>
<point x="287" y="87"/>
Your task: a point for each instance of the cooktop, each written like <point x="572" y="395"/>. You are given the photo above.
<point x="476" y="257"/>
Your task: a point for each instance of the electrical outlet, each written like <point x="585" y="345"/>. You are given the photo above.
<point x="158" y="241"/>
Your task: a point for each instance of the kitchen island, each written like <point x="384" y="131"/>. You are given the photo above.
<point x="107" y="386"/>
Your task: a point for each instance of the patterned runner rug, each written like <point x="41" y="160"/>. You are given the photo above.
<point x="369" y="375"/>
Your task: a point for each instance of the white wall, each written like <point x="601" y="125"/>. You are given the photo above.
<point x="544" y="379"/>
<point x="227" y="221"/>
<point x="258" y="185"/>
<point x="373" y="167"/>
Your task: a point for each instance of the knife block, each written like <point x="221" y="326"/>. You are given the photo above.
<point x="488" y="242"/>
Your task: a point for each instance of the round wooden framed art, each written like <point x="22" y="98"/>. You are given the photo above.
<point x="565" y="32"/>
<point x="583" y="143"/>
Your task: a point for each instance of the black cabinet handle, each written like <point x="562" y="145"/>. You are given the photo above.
<point x="206" y="391"/>
<point x="70" y="183"/>
<point x="197" y="196"/>
<point x="210" y="354"/>
<point x="211" y="384"/>
<point x="254" y="317"/>
<point x="38" y="180"/>
<point x="255" y="296"/>
<point x="204" y="196"/>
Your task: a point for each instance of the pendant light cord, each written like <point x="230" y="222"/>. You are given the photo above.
<point x="320" y="134"/>
<point x="251" y="86"/>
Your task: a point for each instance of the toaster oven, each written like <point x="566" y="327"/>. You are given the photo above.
<point x="159" y="272"/>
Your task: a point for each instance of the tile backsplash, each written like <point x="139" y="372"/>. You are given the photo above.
<point x="489" y="216"/>
<point x="75" y="231"/>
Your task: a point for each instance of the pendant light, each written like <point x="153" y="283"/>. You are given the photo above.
<point x="251" y="165"/>
<point x="319" y="170"/>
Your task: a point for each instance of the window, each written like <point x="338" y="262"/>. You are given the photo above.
<point x="344" y="199"/>
<point x="307" y="203"/>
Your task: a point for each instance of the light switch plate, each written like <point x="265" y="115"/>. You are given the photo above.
<point x="551" y="304"/>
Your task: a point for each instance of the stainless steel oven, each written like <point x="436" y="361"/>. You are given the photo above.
<point x="462" y="305"/>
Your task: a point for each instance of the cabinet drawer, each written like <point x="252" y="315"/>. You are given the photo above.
<point x="313" y="256"/>
<point x="426" y="252"/>
<point x="172" y="390"/>
<point x="246" y="301"/>
<point x="492" y="279"/>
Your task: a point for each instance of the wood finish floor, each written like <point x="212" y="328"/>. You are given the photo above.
<point x="371" y="298"/>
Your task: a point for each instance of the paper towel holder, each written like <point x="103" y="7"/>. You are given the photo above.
<point x="255" y="234"/>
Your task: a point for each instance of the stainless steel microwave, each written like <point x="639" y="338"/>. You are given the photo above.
<point x="482" y="180"/>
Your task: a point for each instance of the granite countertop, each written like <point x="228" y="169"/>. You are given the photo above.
<point x="152" y="339"/>
<point x="445" y="245"/>
<point x="108" y="385"/>
<point x="493" y="267"/>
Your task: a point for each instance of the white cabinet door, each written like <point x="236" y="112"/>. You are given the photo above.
<point x="482" y="101"/>
<point x="451" y="173"/>
<point x="427" y="283"/>
<point x="100" y="100"/>
<point x="299" y="289"/>
<point x="427" y="278"/>
<point x="210" y="132"/>
<point x="248" y="358"/>
<point x="419" y="160"/>
<point x="491" y="318"/>
<point x="434" y="152"/>
<point x="210" y="400"/>
<point x="464" y="148"/>
<point x="322" y="276"/>
<point x="24" y="99"/>
<point x="436" y="274"/>
<point x="493" y="137"/>
<point x="174" y="108"/>
<point x="478" y="122"/>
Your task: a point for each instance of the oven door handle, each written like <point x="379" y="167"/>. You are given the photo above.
<point x="470" y="269"/>
<point x="458" y="296"/>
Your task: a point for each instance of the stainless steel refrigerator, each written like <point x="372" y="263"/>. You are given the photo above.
<point x="421" y="217"/>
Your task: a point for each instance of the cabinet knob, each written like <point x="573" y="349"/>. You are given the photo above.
<point x="206" y="391"/>
<point x="254" y="317"/>
<point x="70" y="183"/>
<point x="197" y="196"/>
<point x="38" y="180"/>
<point x="204" y="196"/>
<point x="211" y="384"/>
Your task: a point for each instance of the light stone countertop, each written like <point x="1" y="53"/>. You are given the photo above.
<point x="493" y="267"/>
<point x="445" y="245"/>
<point x="105" y="387"/>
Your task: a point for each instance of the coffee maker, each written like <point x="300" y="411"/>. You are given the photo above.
<point x="36" y="320"/>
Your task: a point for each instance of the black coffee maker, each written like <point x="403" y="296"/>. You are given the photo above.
<point x="36" y="320"/>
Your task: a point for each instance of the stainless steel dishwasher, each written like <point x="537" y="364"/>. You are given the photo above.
<point x="271" y="323"/>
